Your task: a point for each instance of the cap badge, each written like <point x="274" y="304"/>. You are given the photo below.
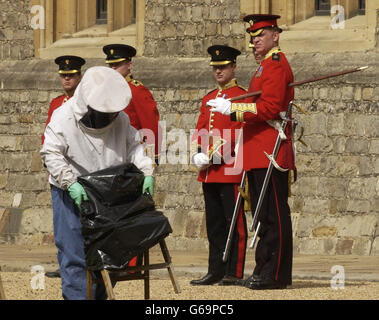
<point x="67" y="61"/>
<point x="217" y="52"/>
<point x="112" y="51"/>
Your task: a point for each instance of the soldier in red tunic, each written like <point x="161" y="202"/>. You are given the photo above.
<point x="273" y="254"/>
<point x="70" y="76"/>
<point x="142" y="110"/>
<point x="213" y="152"/>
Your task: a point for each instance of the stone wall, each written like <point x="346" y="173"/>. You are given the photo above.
<point x="336" y="197"/>
<point x="187" y="28"/>
<point x="16" y="37"/>
<point x="23" y="106"/>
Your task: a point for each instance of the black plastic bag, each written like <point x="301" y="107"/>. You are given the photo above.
<point x="118" y="221"/>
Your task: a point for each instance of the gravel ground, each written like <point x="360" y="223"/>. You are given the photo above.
<point x="17" y="286"/>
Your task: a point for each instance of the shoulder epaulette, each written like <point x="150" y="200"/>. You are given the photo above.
<point x="275" y="56"/>
<point x="211" y="91"/>
<point x="59" y="98"/>
<point x="243" y="88"/>
<point x="136" y="83"/>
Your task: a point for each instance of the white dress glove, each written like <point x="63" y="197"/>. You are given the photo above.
<point x="201" y="160"/>
<point x="220" y="105"/>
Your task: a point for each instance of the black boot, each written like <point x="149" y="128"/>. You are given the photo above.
<point x="262" y="283"/>
<point x="230" y="281"/>
<point x="53" y="274"/>
<point x="207" y="280"/>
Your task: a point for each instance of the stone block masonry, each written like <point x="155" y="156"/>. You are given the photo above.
<point x="16" y="37"/>
<point x="336" y="196"/>
<point x="188" y="28"/>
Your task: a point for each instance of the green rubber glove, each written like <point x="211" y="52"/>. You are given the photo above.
<point x="148" y="185"/>
<point x="77" y="193"/>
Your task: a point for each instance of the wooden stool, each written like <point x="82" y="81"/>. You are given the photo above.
<point x="134" y="273"/>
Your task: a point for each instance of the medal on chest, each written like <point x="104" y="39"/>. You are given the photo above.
<point x="259" y="72"/>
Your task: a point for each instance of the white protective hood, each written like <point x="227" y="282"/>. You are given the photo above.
<point x="71" y="150"/>
<point x="103" y="89"/>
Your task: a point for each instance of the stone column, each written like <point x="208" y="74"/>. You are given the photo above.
<point x="49" y="22"/>
<point x="304" y="9"/>
<point x="372" y="9"/>
<point x="36" y="33"/>
<point x="44" y="37"/>
<point x="83" y="14"/>
<point x="290" y="4"/>
<point x="247" y="6"/>
<point x="128" y="12"/>
<point x="254" y="6"/>
<point x="140" y="24"/>
<point x="265" y="6"/>
<point x="110" y="20"/>
<point x="72" y="20"/>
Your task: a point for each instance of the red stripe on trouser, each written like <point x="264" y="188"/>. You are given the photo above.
<point x="280" y="228"/>
<point x="133" y="262"/>
<point x="241" y="239"/>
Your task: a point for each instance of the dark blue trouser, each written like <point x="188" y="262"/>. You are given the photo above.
<point x="274" y="252"/>
<point x="220" y="200"/>
<point x="70" y="244"/>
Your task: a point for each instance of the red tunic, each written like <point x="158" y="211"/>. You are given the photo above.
<point x="54" y="104"/>
<point x="213" y="124"/>
<point x="272" y="77"/>
<point x="143" y="113"/>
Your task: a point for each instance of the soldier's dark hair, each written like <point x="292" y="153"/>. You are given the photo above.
<point x="274" y="29"/>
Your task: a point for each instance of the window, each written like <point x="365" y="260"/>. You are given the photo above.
<point x="322" y="8"/>
<point x="362" y="7"/>
<point x="101" y="11"/>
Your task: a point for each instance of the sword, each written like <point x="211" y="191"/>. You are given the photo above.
<point x="234" y="219"/>
<point x="268" y="176"/>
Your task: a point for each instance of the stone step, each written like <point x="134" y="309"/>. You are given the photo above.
<point x="88" y="43"/>
<point x="324" y="23"/>
<point x="326" y="41"/>
<point x="316" y="35"/>
<point x="86" y="47"/>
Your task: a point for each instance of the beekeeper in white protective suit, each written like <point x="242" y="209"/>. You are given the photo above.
<point x="88" y="133"/>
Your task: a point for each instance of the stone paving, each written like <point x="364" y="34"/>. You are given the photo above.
<point x="194" y="263"/>
<point x="314" y="278"/>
